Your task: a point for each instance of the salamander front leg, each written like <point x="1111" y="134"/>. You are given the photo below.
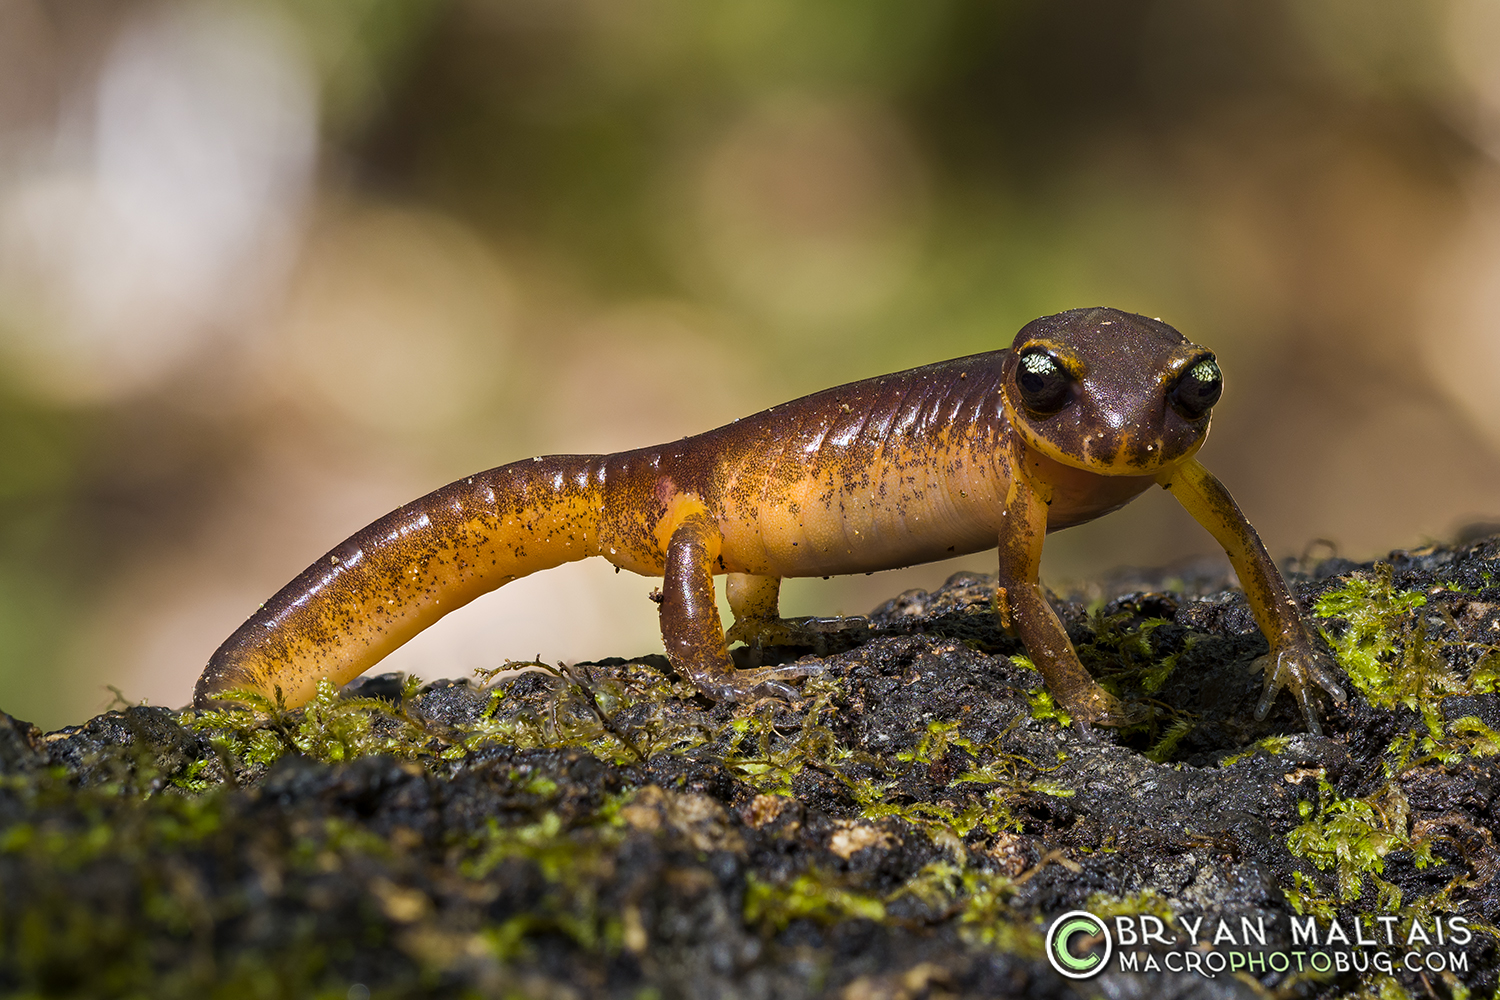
<point x="1296" y="660"/>
<point x="758" y="622"/>
<point x="690" y="625"/>
<point x="1024" y="610"/>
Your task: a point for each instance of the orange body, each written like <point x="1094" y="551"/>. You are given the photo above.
<point x="943" y="460"/>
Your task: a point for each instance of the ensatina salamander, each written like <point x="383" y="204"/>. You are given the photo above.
<point x="1085" y="411"/>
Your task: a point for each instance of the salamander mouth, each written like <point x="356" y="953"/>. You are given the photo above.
<point x="1111" y="452"/>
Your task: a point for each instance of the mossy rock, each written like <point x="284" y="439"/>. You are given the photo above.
<point x="909" y="828"/>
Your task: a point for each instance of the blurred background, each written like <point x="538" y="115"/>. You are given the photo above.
<point x="268" y="270"/>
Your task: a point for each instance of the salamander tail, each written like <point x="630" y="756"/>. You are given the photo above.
<point x="397" y="576"/>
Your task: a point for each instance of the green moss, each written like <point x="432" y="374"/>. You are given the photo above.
<point x="1043" y="707"/>
<point x="940" y="735"/>
<point x="1307" y="897"/>
<point x="1167" y="745"/>
<point x="58" y="937"/>
<point x="1473" y="737"/>
<point x="947" y="822"/>
<point x="105" y="823"/>
<point x="1123" y="656"/>
<point x="1485" y="677"/>
<point x="1383" y="644"/>
<point x="156" y="841"/>
<point x="1381" y="986"/>
<point x="581" y="715"/>
<point x="986" y="920"/>
<point x="769" y="762"/>
<point x="980" y="903"/>
<point x="1353" y="836"/>
<point x="1105" y="905"/>
<point x="766" y="757"/>
<point x="815" y="896"/>
<point x="1127" y="652"/>
<point x="253" y="731"/>
<point x="1272" y="745"/>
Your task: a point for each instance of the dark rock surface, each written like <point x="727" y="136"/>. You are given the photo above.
<point x="909" y="829"/>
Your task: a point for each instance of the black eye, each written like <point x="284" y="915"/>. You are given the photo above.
<point x="1198" y="390"/>
<point x="1045" y="384"/>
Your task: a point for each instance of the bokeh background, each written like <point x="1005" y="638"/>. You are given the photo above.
<point x="268" y="270"/>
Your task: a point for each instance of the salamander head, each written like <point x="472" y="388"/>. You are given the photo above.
<point x="1110" y="392"/>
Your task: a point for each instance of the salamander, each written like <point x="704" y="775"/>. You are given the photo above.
<point x="1084" y="411"/>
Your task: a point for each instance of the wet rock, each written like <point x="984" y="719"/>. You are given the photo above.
<point x="909" y="828"/>
<point x="21" y="746"/>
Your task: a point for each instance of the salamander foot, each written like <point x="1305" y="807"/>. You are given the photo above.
<point x="760" y="682"/>
<point x="1100" y="708"/>
<point x="821" y="635"/>
<point x="1300" y="666"/>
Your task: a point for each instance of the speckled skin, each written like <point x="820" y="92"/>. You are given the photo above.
<point x="907" y="468"/>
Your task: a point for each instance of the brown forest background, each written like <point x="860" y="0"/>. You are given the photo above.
<point x="268" y="270"/>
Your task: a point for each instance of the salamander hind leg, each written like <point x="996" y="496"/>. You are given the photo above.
<point x="690" y="625"/>
<point x="758" y="623"/>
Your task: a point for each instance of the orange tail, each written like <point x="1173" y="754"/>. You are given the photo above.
<point x="392" y="579"/>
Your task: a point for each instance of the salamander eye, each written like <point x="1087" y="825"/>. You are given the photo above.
<point x="1045" y="384"/>
<point x="1198" y="390"/>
